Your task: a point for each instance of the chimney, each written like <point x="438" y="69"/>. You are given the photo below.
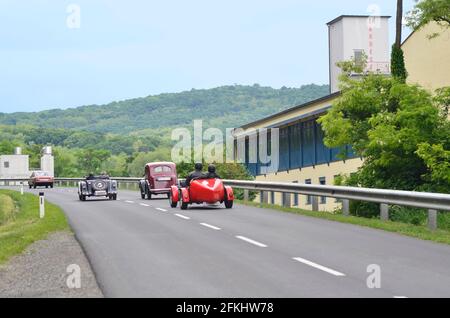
<point x="18" y="151"/>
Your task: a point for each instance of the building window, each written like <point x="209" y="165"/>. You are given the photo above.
<point x="295" y="140"/>
<point x="296" y="202"/>
<point x="6" y="164"/>
<point x="308" y="197"/>
<point x="323" y="181"/>
<point x="359" y="55"/>
<point x="308" y="147"/>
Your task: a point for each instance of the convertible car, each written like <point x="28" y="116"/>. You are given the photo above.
<point x="97" y="186"/>
<point x="200" y="191"/>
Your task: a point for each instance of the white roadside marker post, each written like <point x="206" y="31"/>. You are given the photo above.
<point x="41" y="205"/>
<point x="21" y="188"/>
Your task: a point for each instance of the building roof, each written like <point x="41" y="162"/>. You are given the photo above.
<point x="356" y="16"/>
<point x="319" y="100"/>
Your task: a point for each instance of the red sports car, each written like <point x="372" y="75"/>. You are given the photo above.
<point x="200" y="191"/>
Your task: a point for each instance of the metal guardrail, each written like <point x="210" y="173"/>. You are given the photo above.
<point x="433" y="202"/>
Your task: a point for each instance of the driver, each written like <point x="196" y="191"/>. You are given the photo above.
<point x="90" y="176"/>
<point x="212" y="173"/>
<point x="195" y="174"/>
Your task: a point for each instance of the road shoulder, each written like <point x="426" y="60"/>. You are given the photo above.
<point x="42" y="270"/>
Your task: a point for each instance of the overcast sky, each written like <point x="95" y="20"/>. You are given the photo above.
<point x="125" y="49"/>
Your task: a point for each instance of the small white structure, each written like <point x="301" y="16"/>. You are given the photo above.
<point x="351" y="36"/>
<point x="14" y="166"/>
<point x="48" y="161"/>
<point x="17" y="166"/>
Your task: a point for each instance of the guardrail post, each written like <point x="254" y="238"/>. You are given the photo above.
<point x="346" y="207"/>
<point x="264" y="197"/>
<point x="432" y="219"/>
<point x="315" y="203"/>
<point x="384" y="212"/>
<point x="246" y="195"/>
<point x="286" y="200"/>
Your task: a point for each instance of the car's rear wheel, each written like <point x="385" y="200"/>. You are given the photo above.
<point x="184" y="206"/>
<point x="149" y="195"/>
<point x="173" y="204"/>
<point x="82" y="197"/>
<point x="228" y="204"/>
<point x="115" y="196"/>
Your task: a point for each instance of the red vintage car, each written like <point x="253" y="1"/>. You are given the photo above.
<point x="159" y="177"/>
<point x="40" y="179"/>
<point x="200" y="191"/>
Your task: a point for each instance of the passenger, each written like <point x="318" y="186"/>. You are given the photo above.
<point x="212" y="173"/>
<point x="90" y="176"/>
<point x="195" y="174"/>
<point x="105" y="175"/>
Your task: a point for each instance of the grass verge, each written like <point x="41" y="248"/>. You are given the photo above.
<point x="7" y="209"/>
<point x="25" y="227"/>
<point x="416" y="231"/>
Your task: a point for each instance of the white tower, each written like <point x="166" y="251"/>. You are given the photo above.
<point x="351" y="36"/>
<point x="48" y="161"/>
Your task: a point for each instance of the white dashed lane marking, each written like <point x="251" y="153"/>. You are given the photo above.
<point x="246" y="239"/>
<point x="318" y="266"/>
<point x="129" y="201"/>
<point x="211" y="226"/>
<point x="163" y="210"/>
<point x="183" y="216"/>
<point x="143" y="204"/>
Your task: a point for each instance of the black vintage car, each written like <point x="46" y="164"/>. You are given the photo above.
<point x="97" y="186"/>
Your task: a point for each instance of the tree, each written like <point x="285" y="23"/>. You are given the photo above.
<point x="398" y="68"/>
<point x="90" y="160"/>
<point x="398" y="24"/>
<point x="392" y="125"/>
<point x="427" y="11"/>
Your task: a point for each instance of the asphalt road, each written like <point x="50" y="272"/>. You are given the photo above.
<point x="141" y="248"/>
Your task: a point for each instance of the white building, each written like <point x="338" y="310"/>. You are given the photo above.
<point x="17" y="165"/>
<point x="351" y="36"/>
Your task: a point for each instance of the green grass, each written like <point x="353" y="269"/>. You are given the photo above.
<point x="25" y="228"/>
<point x="7" y="209"/>
<point x="416" y="231"/>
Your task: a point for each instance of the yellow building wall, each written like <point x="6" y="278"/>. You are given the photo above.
<point x="428" y="60"/>
<point x="313" y="173"/>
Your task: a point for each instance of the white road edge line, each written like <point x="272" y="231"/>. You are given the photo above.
<point x="246" y="239"/>
<point x="211" y="226"/>
<point x="129" y="201"/>
<point x="164" y="210"/>
<point x="183" y="216"/>
<point x="143" y="204"/>
<point x="318" y="266"/>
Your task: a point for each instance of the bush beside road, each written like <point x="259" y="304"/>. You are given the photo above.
<point x="22" y="226"/>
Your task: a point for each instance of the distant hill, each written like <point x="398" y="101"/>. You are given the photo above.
<point x="222" y="107"/>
